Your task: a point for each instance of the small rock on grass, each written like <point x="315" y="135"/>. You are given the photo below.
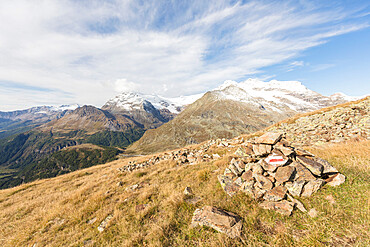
<point x="283" y="207"/>
<point x="313" y="213"/>
<point x="218" y="219"/>
<point x="336" y="180"/>
<point x="104" y="223"/>
<point x="330" y="198"/>
<point x="188" y="191"/>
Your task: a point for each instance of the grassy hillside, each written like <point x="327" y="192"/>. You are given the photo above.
<point x="66" y="210"/>
<point x="32" y="155"/>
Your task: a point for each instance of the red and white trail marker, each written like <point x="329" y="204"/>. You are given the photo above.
<point x="276" y="160"/>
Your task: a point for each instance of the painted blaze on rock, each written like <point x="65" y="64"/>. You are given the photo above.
<point x="218" y="219"/>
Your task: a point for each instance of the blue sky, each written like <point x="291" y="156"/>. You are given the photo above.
<point x="58" y="52"/>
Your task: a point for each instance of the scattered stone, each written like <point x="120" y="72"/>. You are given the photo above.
<point x="133" y="187"/>
<point x="104" y="223"/>
<point x="313" y="213"/>
<point x="269" y="138"/>
<point x="276" y="194"/>
<point x="218" y="219"/>
<point x="283" y="207"/>
<point x="188" y="191"/>
<point x="88" y="242"/>
<point x="336" y="180"/>
<point x="141" y="207"/>
<point x="216" y="156"/>
<point x="315" y="167"/>
<point x="330" y="198"/>
<point x="92" y="221"/>
<point x="311" y="187"/>
<point x="120" y="183"/>
<point x="283" y="174"/>
<point x="193" y="200"/>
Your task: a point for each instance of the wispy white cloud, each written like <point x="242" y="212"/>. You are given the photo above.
<point x="91" y="49"/>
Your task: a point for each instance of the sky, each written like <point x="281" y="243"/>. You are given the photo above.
<point x="87" y="51"/>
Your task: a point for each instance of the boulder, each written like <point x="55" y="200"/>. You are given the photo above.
<point x="283" y="207"/>
<point x="257" y="169"/>
<point x="328" y="169"/>
<point x="269" y="138"/>
<point x="336" y="180"/>
<point x="283" y="174"/>
<point x="266" y="166"/>
<point x="285" y="150"/>
<point x="315" y="167"/>
<point x="302" y="173"/>
<point x="276" y="194"/>
<point x="261" y="149"/>
<point x="247" y="176"/>
<point x="263" y="182"/>
<point x="295" y="188"/>
<point x="311" y="187"/>
<point x="297" y="203"/>
<point x="244" y="151"/>
<point x="218" y="219"/>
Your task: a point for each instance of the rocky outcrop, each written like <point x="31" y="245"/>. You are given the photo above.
<point x="351" y="121"/>
<point x="278" y="173"/>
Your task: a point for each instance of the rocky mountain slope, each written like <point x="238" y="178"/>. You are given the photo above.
<point x="19" y="121"/>
<point x="154" y="200"/>
<point x="231" y="110"/>
<point x="341" y="123"/>
<point x="151" y="111"/>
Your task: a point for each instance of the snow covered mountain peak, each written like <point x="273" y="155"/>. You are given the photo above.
<point x="273" y="94"/>
<point x="277" y="95"/>
<point x="131" y="100"/>
<point x="257" y="84"/>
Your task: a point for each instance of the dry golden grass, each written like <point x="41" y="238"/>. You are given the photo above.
<point x="55" y="212"/>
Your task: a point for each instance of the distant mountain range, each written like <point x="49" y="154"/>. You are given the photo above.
<point x="34" y="142"/>
<point x="13" y="122"/>
<point x="233" y="109"/>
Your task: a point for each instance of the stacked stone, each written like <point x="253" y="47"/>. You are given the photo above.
<point x="182" y="157"/>
<point x="272" y="171"/>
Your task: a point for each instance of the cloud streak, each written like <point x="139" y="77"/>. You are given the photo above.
<point x="91" y="48"/>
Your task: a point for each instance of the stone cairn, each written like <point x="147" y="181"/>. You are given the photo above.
<point x="273" y="172"/>
<point x="187" y="156"/>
